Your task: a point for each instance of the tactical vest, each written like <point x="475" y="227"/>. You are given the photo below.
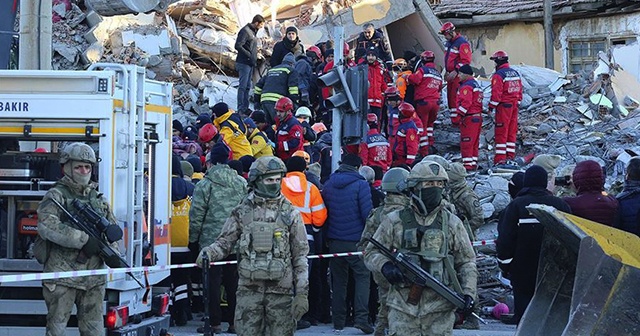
<point x="428" y="246"/>
<point x="263" y="248"/>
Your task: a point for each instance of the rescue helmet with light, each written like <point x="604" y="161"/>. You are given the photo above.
<point x="499" y="55"/>
<point x="447" y="28"/>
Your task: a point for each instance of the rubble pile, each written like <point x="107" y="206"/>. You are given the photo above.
<point x="69" y="36"/>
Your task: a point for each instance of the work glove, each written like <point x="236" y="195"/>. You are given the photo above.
<point x="210" y="253"/>
<point x="300" y="306"/>
<point x="113" y="261"/>
<point x="91" y="247"/>
<point x="468" y="305"/>
<point x="392" y="273"/>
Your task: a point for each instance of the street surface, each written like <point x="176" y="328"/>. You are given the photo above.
<point x="493" y="328"/>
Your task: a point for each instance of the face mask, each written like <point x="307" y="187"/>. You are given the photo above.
<point x="430" y="197"/>
<point x="267" y="190"/>
<point x="82" y="179"/>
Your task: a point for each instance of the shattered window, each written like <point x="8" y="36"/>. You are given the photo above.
<point x="583" y="54"/>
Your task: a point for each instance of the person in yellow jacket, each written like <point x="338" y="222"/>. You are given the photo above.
<point x="306" y="198"/>
<point x="233" y="130"/>
<point x="260" y="144"/>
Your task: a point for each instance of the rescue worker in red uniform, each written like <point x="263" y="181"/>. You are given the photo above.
<point x="506" y="94"/>
<point x="469" y="117"/>
<point x="289" y="132"/>
<point x="457" y="54"/>
<point x="377" y="84"/>
<point x="428" y="87"/>
<point x="374" y="148"/>
<point x="406" y="141"/>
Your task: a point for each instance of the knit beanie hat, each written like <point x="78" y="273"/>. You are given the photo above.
<point x="195" y="162"/>
<point x="516" y="184"/>
<point x="372" y="51"/>
<point x="466" y="69"/>
<point x="237" y="166"/>
<point x="191" y="128"/>
<point x="535" y="176"/>
<point x="188" y="135"/>
<point x="351" y="160"/>
<point x="187" y="168"/>
<point x="328" y="52"/>
<point x="177" y="125"/>
<point x="456" y="172"/>
<point x="548" y="161"/>
<point x="202" y="120"/>
<point x="220" y="109"/>
<point x="249" y="122"/>
<point x="296" y="164"/>
<point x="259" y="116"/>
<point x="246" y="160"/>
<point x="588" y="176"/>
<point x="219" y="153"/>
<point x="176" y="168"/>
<point x="292" y="29"/>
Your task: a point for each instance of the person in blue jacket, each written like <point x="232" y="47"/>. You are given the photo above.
<point x="348" y="200"/>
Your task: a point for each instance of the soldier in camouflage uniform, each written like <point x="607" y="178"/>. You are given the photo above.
<point x="395" y="200"/>
<point x="63" y="242"/>
<point x="214" y="197"/>
<point x="437" y="241"/>
<point x="464" y="199"/>
<point x="272" y="255"/>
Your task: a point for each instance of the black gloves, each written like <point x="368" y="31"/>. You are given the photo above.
<point x="91" y="247"/>
<point x="113" y="261"/>
<point x="468" y="305"/>
<point x="392" y="273"/>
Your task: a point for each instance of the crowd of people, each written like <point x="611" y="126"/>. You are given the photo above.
<point x="262" y="191"/>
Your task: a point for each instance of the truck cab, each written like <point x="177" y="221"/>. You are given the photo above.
<point x="125" y="118"/>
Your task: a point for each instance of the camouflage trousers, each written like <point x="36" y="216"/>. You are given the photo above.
<point x="382" y="320"/>
<point x="263" y="314"/>
<point x="434" y="324"/>
<point x="60" y="301"/>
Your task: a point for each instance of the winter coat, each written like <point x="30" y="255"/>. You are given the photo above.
<point x="260" y="144"/>
<point x="377" y="85"/>
<point x="247" y="46"/>
<point x="428" y="83"/>
<point x="284" y="47"/>
<point x="180" y="188"/>
<point x="305" y="75"/>
<point x="348" y="200"/>
<point x="375" y="150"/>
<point x="233" y="131"/>
<point x="457" y="53"/>
<point x="290" y="137"/>
<point x="506" y="86"/>
<point x="469" y="100"/>
<point x="628" y="218"/>
<point x="280" y="81"/>
<point x="377" y="41"/>
<point x="221" y="190"/>
<point x="591" y="201"/>
<point x="520" y="234"/>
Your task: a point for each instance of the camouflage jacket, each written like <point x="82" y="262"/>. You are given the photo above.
<point x="467" y="204"/>
<point x="390" y="234"/>
<point x="221" y="190"/>
<point x="67" y="240"/>
<point x="392" y="202"/>
<point x="295" y="242"/>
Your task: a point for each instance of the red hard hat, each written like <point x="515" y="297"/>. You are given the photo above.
<point x="284" y="104"/>
<point x="316" y="51"/>
<point x="499" y="55"/>
<point x="406" y="110"/>
<point x="391" y="91"/>
<point x="447" y="27"/>
<point x="345" y="49"/>
<point x="372" y="118"/>
<point x="428" y="54"/>
<point x="207" y="132"/>
<point x="40" y="150"/>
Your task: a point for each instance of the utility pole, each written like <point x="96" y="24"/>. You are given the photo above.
<point x="336" y="119"/>
<point x="548" y="34"/>
<point x="35" y="34"/>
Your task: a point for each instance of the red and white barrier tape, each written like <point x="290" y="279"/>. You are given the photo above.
<point x="109" y="271"/>
<point x="483" y="242"/>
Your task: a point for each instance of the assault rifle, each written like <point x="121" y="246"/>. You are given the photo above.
<point x="420" y="279"/>
<point x="110" y="257"/>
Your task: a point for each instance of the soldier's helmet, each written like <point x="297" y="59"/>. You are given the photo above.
<point x="78" y="151"/>
<point x="266" y="165"/>
<point x="426" y="171"/>
<point x="392" y="178"/>
<point x="439" y="159"/>
<point x="457" y="172"/>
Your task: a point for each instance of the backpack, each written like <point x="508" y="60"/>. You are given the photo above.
<point x="180" y="222"/>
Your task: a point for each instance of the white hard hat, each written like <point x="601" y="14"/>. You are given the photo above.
<point x="303" y="111"/>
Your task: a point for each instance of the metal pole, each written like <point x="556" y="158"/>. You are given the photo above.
<point x="336" y="121"/>
<point x="548" y="34"/>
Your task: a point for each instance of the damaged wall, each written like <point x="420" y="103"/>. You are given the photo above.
<point x="614" y="29"/>
<point x="410" y="34"/>
<point x="524" y="42"/>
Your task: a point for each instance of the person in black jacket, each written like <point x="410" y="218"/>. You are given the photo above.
<point x="247" y="47"/>
<point x="520" y="237"/>
<point x="370" y="37"/>
<point x="290" y="44"/>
